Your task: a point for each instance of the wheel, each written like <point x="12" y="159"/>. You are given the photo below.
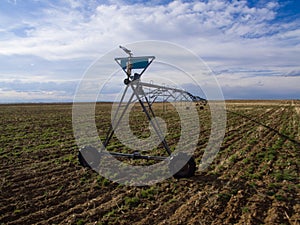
<point x="188" y="170"/>
<point x="126" y="81"/>
<point x="88" y="157"/>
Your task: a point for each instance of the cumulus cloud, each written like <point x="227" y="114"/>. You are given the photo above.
<point x="81" y="29"/>
<point x="232" y="37"/>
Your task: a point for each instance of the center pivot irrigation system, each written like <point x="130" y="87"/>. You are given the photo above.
<point x="145" y="94"/>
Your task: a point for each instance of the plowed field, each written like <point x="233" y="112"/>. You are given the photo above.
<point x="253" y="180"/>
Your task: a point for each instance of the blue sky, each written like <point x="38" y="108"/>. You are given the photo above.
<point x="253" y="47"/>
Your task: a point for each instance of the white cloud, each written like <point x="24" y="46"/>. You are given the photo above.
<point x="228" y="35"/>
<point x="67" y="32"/>
<point x="36" y="91"/>
<point x="261" y="87"/>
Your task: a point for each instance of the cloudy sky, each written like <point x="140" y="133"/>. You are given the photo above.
<point x="253" y="47"/>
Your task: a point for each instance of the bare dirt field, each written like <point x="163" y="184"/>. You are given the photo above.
<point x="253" y="180"/>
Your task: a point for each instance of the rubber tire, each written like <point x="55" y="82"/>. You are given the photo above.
<point x="126" y="81"/>
<point x="188" y="170"/>
<point x="92" y="154"/>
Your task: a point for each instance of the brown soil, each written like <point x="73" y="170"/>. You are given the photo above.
<point x="253" y="180"/>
